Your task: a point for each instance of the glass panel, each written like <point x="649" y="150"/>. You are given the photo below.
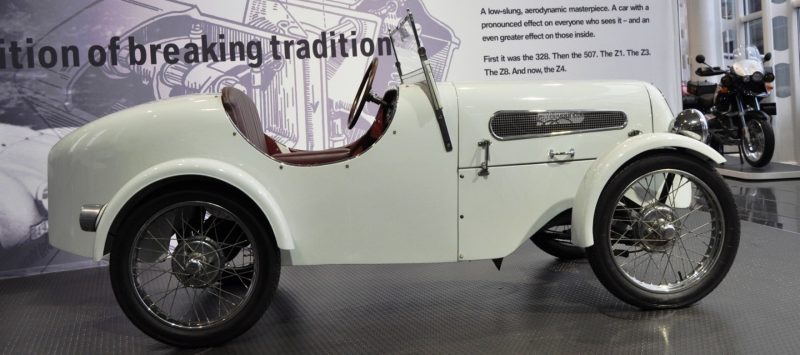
<point x="728" y="42"/>
<point x="727" y="9"/>
<point x="406" y="51"/>
<point x="755" y="34"/>
<point x="782" y="82"/>
<point x="751" y="6"/>
<point x="780" y="33"/>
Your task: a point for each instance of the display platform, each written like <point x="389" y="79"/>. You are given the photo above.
<point x="536" y="304"/>
<point x="774" y="171"/>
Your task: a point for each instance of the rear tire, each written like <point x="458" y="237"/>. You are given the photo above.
<point x="174" y="281"/>
<point x="555" y="238"/>
<point x="633" y="239"/>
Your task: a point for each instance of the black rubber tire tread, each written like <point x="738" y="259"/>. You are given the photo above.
<point x="544" y="239"/>
<point x="600" y="255"/>
<point x="769" y="144"/>
<point x="264" y="289"/>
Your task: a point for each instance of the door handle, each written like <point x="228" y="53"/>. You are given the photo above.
<point x="485" y="165"/>
<point x="570" y="153"/>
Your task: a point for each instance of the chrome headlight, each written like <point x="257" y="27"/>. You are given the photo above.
<point x="691" y="123"/>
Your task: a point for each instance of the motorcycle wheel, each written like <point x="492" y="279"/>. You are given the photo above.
<point x="759" y="152"/>
<point x="176" y="279"/>
<point x="555" y="238"/>
<point x="664" y="252"/>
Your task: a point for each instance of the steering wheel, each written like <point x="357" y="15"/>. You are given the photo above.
<point x="363" y="94"/>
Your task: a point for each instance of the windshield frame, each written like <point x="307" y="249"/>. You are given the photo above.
<point x="427" y="79"/>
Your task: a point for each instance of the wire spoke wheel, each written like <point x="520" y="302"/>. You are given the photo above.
<point x="660" y="244"/>
<point x="666" y="232"/>
<point x="194" y="268"/>
<point x="178" y="266"/>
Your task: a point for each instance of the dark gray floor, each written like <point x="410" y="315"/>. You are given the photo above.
<point x="534" y="305"/>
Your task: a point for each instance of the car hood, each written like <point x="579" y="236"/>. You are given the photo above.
<point x="479" y="102"/>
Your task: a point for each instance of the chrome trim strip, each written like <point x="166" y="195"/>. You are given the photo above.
<point x="527" y="164"/>
<point x="553" y="134"/>
<point x="89" y="216"/>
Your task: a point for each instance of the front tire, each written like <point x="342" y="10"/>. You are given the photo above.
<point x="661" y="241"/>
<point x="194" y="268"/>
<point x="759" y="153"/>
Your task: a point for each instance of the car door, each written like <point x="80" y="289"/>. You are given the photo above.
<point x="541" y="137"/>
<point x="395" y="203"/>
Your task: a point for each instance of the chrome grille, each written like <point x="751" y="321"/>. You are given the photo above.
<point x="505" y="125"/>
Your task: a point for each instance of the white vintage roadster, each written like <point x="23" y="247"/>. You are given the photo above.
<point x="199" y="210"/>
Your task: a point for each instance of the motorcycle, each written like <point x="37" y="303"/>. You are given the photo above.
<point x="733" y="107"/>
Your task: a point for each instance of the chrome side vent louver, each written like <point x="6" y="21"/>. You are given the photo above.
<point x="507" y="125"/>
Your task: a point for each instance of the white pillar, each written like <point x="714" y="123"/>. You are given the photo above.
<point x="704" y="19"/>
<point x="794" y="64"/>
<point x="784" y="124"/>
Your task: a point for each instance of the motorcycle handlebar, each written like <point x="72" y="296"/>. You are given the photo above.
<point x="709" y="71"/>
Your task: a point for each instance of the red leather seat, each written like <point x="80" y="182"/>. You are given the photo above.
<point x="309" y="157"/>
<point x="244" y="114"/>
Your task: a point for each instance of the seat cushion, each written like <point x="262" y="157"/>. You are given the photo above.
<point x="314" y="157"/>
<point x="244" y="114"/>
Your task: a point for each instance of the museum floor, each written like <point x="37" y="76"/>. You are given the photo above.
<point x="536" y="304"/>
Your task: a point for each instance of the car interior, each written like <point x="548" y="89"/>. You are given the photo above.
<point x="243" y="112"/>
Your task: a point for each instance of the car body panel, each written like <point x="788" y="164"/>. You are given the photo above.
<point x="502" y="210"/>
<point x="369" y="209"/>
<point x="102" y="159"/>
<point x="662" y="114"/>
<point x="211" y="168"/>
<point x="480" y="101"/>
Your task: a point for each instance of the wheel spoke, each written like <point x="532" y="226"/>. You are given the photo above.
<point x="665" y="190"/>
<point x="155" y="239"/>
<point x="178" y="278"/>
<point x="655" y="245"/>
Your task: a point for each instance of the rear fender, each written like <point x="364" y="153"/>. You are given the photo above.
<point x="604" y="168"/>
<point x="221" y="171"/>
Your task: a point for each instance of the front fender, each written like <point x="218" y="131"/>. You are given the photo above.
<point x="215" y="169"/>
<point x="607" y="165"/>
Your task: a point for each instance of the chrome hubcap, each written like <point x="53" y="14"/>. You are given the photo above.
<point x="657" y="228"/>
<point x="755" y="146"/>
<point x="197" y="262"/>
